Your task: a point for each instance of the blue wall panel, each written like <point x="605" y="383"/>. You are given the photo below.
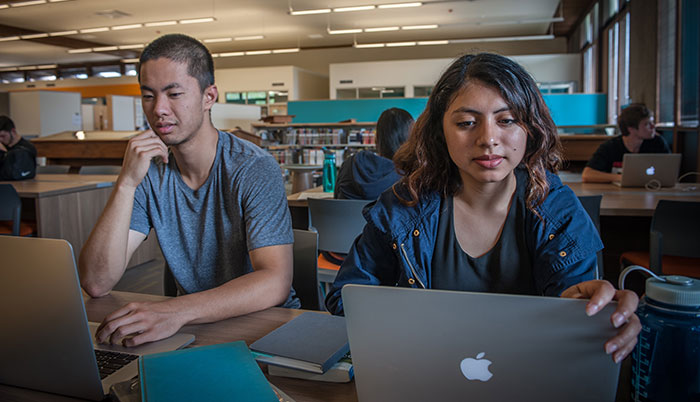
<point x="566" y="109"/>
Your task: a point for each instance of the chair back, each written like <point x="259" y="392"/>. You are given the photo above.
<point x="53" y="169"/>
<point x="675" y="231"/>
<point x="591" y="203"/>
<point x="100" y="169"/>
<point x="10" y="207"/>
<point x="305" y="281"/>
<point x="338" y="222"/>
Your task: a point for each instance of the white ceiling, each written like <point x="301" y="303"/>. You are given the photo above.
<point x="464" y="19"/>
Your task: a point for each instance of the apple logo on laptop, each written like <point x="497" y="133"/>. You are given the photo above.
<point x="476" y="369"/>
<point x="650" y="171"/>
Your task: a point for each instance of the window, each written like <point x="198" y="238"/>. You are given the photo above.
<point x="130" y="70"/>
<point x="690" y="62"/>
<point x="667" y="60"/>
<point x="381" y="92"/>
<point x="256" y="97"/>
<point x="557" y="87"/>
<point x="41" y="75"/>
<point x="277" y="96"/>
<point x="10" y="77"/>
<point x="346" y="93"/>
<point x="73" y="72"/>
<point x="235" y="97"/>
<point x="422" y="91"/>
<point x="107" y="71"/>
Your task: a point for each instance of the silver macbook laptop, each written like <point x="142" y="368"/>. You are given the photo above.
<point x="46" y="342"/>
<point x="657" y="170"/>
<point x="434" y="345"/>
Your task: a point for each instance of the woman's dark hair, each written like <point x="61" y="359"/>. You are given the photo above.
<point x="182" y="49"/>
<point x="631" y="116"/>
<point x="6" y="124"/>
<point x="393" y="127"/>
<point x="424" y="160"/>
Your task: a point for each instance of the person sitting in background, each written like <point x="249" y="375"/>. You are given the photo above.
<point x="479" y="206"/>
<point x="365" y="175"/>
<point x="17" y="155"/>
<point x="638" y="136"/>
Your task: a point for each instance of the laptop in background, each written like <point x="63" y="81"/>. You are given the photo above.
<point x="638" y="170"/>
<point x="46" y="342"/>
<point x="433" y="345"/>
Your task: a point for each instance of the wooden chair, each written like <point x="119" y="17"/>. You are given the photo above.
<point x="11" y="213"/>
<point x="591" y="203"/>
<point x="674" y="240"/>
<point x="338" y="223"/>
<point x="100" y="169"/>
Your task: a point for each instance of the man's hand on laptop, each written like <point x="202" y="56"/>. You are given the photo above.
<point x="138" y="323"/>
<point x="601" y="293"/>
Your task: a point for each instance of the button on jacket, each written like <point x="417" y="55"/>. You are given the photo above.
<point x="397" y="243"/>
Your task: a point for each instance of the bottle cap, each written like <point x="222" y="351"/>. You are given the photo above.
<point x="677" y="290"/>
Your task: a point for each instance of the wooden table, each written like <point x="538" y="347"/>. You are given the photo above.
<point x="96" y="148"/>
<point x="248" y="328"/>
<point x="580" y="147"/>
<point x="67" y="206"/>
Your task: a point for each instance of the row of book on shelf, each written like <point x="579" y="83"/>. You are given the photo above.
<point x="328" y="136"/>
<point x="313" y="346"/>
<point x="306" y="156"/>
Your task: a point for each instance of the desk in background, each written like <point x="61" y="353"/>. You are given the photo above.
<point x="97" y="148"/>
<point x="248" y="328"/>
<point x="67" y="206"/>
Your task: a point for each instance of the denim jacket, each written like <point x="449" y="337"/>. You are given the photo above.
<point x="397" y="243"/>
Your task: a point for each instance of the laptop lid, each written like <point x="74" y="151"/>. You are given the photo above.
<point x="638" y="170"/>
<point x="421" y="345"/>
<point x="47" y="343"/>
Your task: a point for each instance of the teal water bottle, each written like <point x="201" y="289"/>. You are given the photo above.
<point x="329" y="172"/>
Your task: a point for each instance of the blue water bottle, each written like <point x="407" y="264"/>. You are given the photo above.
<point x="666" y="360"/>
<point x="329" y="172"/>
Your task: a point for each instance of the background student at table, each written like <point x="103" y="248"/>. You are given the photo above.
<point x="480" y="207"/>
<point x="216" y="203"/>
<point x="17" y="155"/>
<point x="638" y="136"/>
<point x="365" y="175"/>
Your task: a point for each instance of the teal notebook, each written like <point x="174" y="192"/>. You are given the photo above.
<point x="207" y="373"/>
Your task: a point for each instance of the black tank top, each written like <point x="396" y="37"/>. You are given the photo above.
<point x="506" y="268"/>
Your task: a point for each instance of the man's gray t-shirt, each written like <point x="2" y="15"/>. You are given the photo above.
<point x="206" y="234"/>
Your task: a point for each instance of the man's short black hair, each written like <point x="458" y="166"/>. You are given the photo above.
<point x="6" y="124"/>
<point x="183" y="49"/>
<point x="631" y="116"/>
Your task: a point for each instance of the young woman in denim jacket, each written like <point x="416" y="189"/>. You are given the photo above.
<point x="480" y="208"/>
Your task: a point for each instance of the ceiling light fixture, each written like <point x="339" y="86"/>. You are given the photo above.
<point x="3" y="6"/>
<point x="27" y="3"/>
<point x="257" y="52"/>
<point x="354" y="8"/>
<point x="503" y="39"/>
<point x="134" y="46"/>
<point x="124" y="27"/>
<point x="400" y="44"/>
<point x="197" y="20"/>
<point x="76" y="51"/>
<point x="217" y="40"/>
<point x="47" y="66"/>
<point x="231" y="54"/>
<point x="57" y="1"/>
<point x="105" y="49"/>
<point x="344" y="31"/>
<point x="381" y="29"/>
<point x="63" y="33"/>
<point x="251" y="37"/>
<point x="35" y="36"/>
<point x="9" y="38"/>
<point x="310" y="12"/>
<point x="413" y="27"/>
<point x="368" y="45"/>
<point x="400" y="5"/>
<point x="93" y="30"/>
<point x="129" y="61"/>
<point x="5" y="69"/>
<point x="27" y="68"/>
<point x="160" y="23"/>
<point x="433" y="42"/>
<point x="291" y="50"/>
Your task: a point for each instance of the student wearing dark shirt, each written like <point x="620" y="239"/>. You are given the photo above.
<point x="365" y="175"/>
<point x="479" y="206"/>
<point x="638" y="136"/>
<point x="17" y="155"/>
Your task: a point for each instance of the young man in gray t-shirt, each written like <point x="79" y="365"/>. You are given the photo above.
<point x="216" y="203"/>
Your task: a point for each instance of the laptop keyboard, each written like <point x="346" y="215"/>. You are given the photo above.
<point x="108" y="362"/>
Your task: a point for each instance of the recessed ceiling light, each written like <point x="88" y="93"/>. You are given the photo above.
<point x="217" y="40"/>
<point x="27" y="3"/>
<point x="4" y="69"/>
<point x="160" y="23"/>
<point x="257" y="52"/>
<point x="400" y="5"/>
<point x="105" y="49"/>
<point x="433" y="42"/>
<point x="355" y="8"/>
<point x="84" y="50"/>
<point x="400" y="44"/>
<point x="197" y="20"/>
<point x="2" y="6"/>
<point x="344" y="31"/>
<point x="381" y="29"/>
<point x="47" y="66"/>
<point x="35" y="36"/>
<point x="129" y="61"/>
<point x="134" y="46"/>
<point x="9" y="38"/>
<point x="291" y="50"/>
<point x="251" y="37"/>
<point x="92" y="30"/>
<point x="27" y="68"/>
<point x="308" y="12"/>
<point x="231" y="54"/>
<point x="123" y="27"/>
<point x="368" y="45"/>
<point x="410" y="27"/>
<point x="63" y="33"/>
